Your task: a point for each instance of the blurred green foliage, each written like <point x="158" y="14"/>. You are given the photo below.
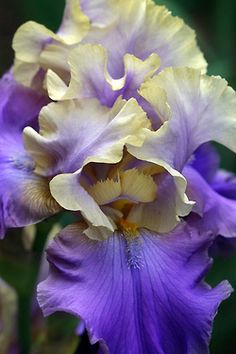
<point x="215" y="24"/>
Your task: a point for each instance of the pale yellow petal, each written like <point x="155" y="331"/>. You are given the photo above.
<point x="67" y="190"/>
<point x="56" y="87"/>
<point x="75" y="24"/>
<point x="141" y="28"/>
<point x="36" y="45"/>
<point x="90" y="78"/>
<point x="25" y="72"/>
<point x="28" y="41"/>
<point x="138" y="186"/>
<point x="105" y="191"/>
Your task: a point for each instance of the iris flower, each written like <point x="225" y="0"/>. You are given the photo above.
<point x="125" y="146"/>
<point x="133" y="265"/>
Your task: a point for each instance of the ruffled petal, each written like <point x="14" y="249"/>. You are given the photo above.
<point x="198" y="108"/>
<point x="215" y="212"/>
<point x="37" y="47"/>
<point x="74" y="133"/>
<point x="145" y="295"/>
<point x="99" y="12"/>
<point x="91" y="79"/>
<point x="195" y="109"/>
<point x="141" y="28"/>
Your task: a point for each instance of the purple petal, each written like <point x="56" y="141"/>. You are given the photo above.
<point x="144" y="296"/>
<point x="224" y="183"/>
<point x="206" y="161"/>
<point x="215" y="212"/>
<point x="19" y="106"/>
<point x="20" y="199"/>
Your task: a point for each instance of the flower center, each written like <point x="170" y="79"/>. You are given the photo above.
<point x="127" y="227"/>
<point x="122" y="191"/>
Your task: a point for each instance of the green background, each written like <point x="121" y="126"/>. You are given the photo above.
<point x="215" y="24"/>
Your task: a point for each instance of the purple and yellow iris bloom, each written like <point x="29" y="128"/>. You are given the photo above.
<point x="126" y="146"/>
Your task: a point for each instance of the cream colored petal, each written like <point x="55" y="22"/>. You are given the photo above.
<point x="201" y="108"/>
<point x="25" y="72"/>
<point x="90" y="78"/>
<point x="159" y="216"/>
<point x="131" y="184"/>
<point x="55" y="57"/>
<point x="29" y="40"/>
<point x="67" y="190"/>
<point x="105" y="191"/>
<point x="171" y="39"/>
<point x="74" y="133"/>
<point x="197" y="108"/>
<point x="142" y="28"/>
<point x="36" y="45"/>
<point x="97" y="233"/>
<point x="99" y="12"/>
<point x="149" y="152"/>
<point x="55" y="86"/>
<point x="139" y="70"/>
<point x="75" y="24"/>
<point x="138" y="186"/>
<point x="28" y="44"/>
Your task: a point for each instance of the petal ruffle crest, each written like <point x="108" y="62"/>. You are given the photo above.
<point x="144" y="296"/>
<point x="139" y="28"/>
<point x="195" y="109"/>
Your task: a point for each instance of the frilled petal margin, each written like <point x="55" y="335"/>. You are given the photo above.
<point x="139" y="297"/>
<point x="216" y="213"/>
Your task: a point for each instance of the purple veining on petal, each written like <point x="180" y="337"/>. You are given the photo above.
<point x="163" y="306"/>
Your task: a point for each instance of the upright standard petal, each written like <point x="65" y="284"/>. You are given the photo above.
<point x="139" y="28"/>
<point x="195" y="109"/>
<point x="24" y="196"/>
<point x="144" y="295"/>
<point x="37" y="47"/>
<point x="91" y="79"/>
